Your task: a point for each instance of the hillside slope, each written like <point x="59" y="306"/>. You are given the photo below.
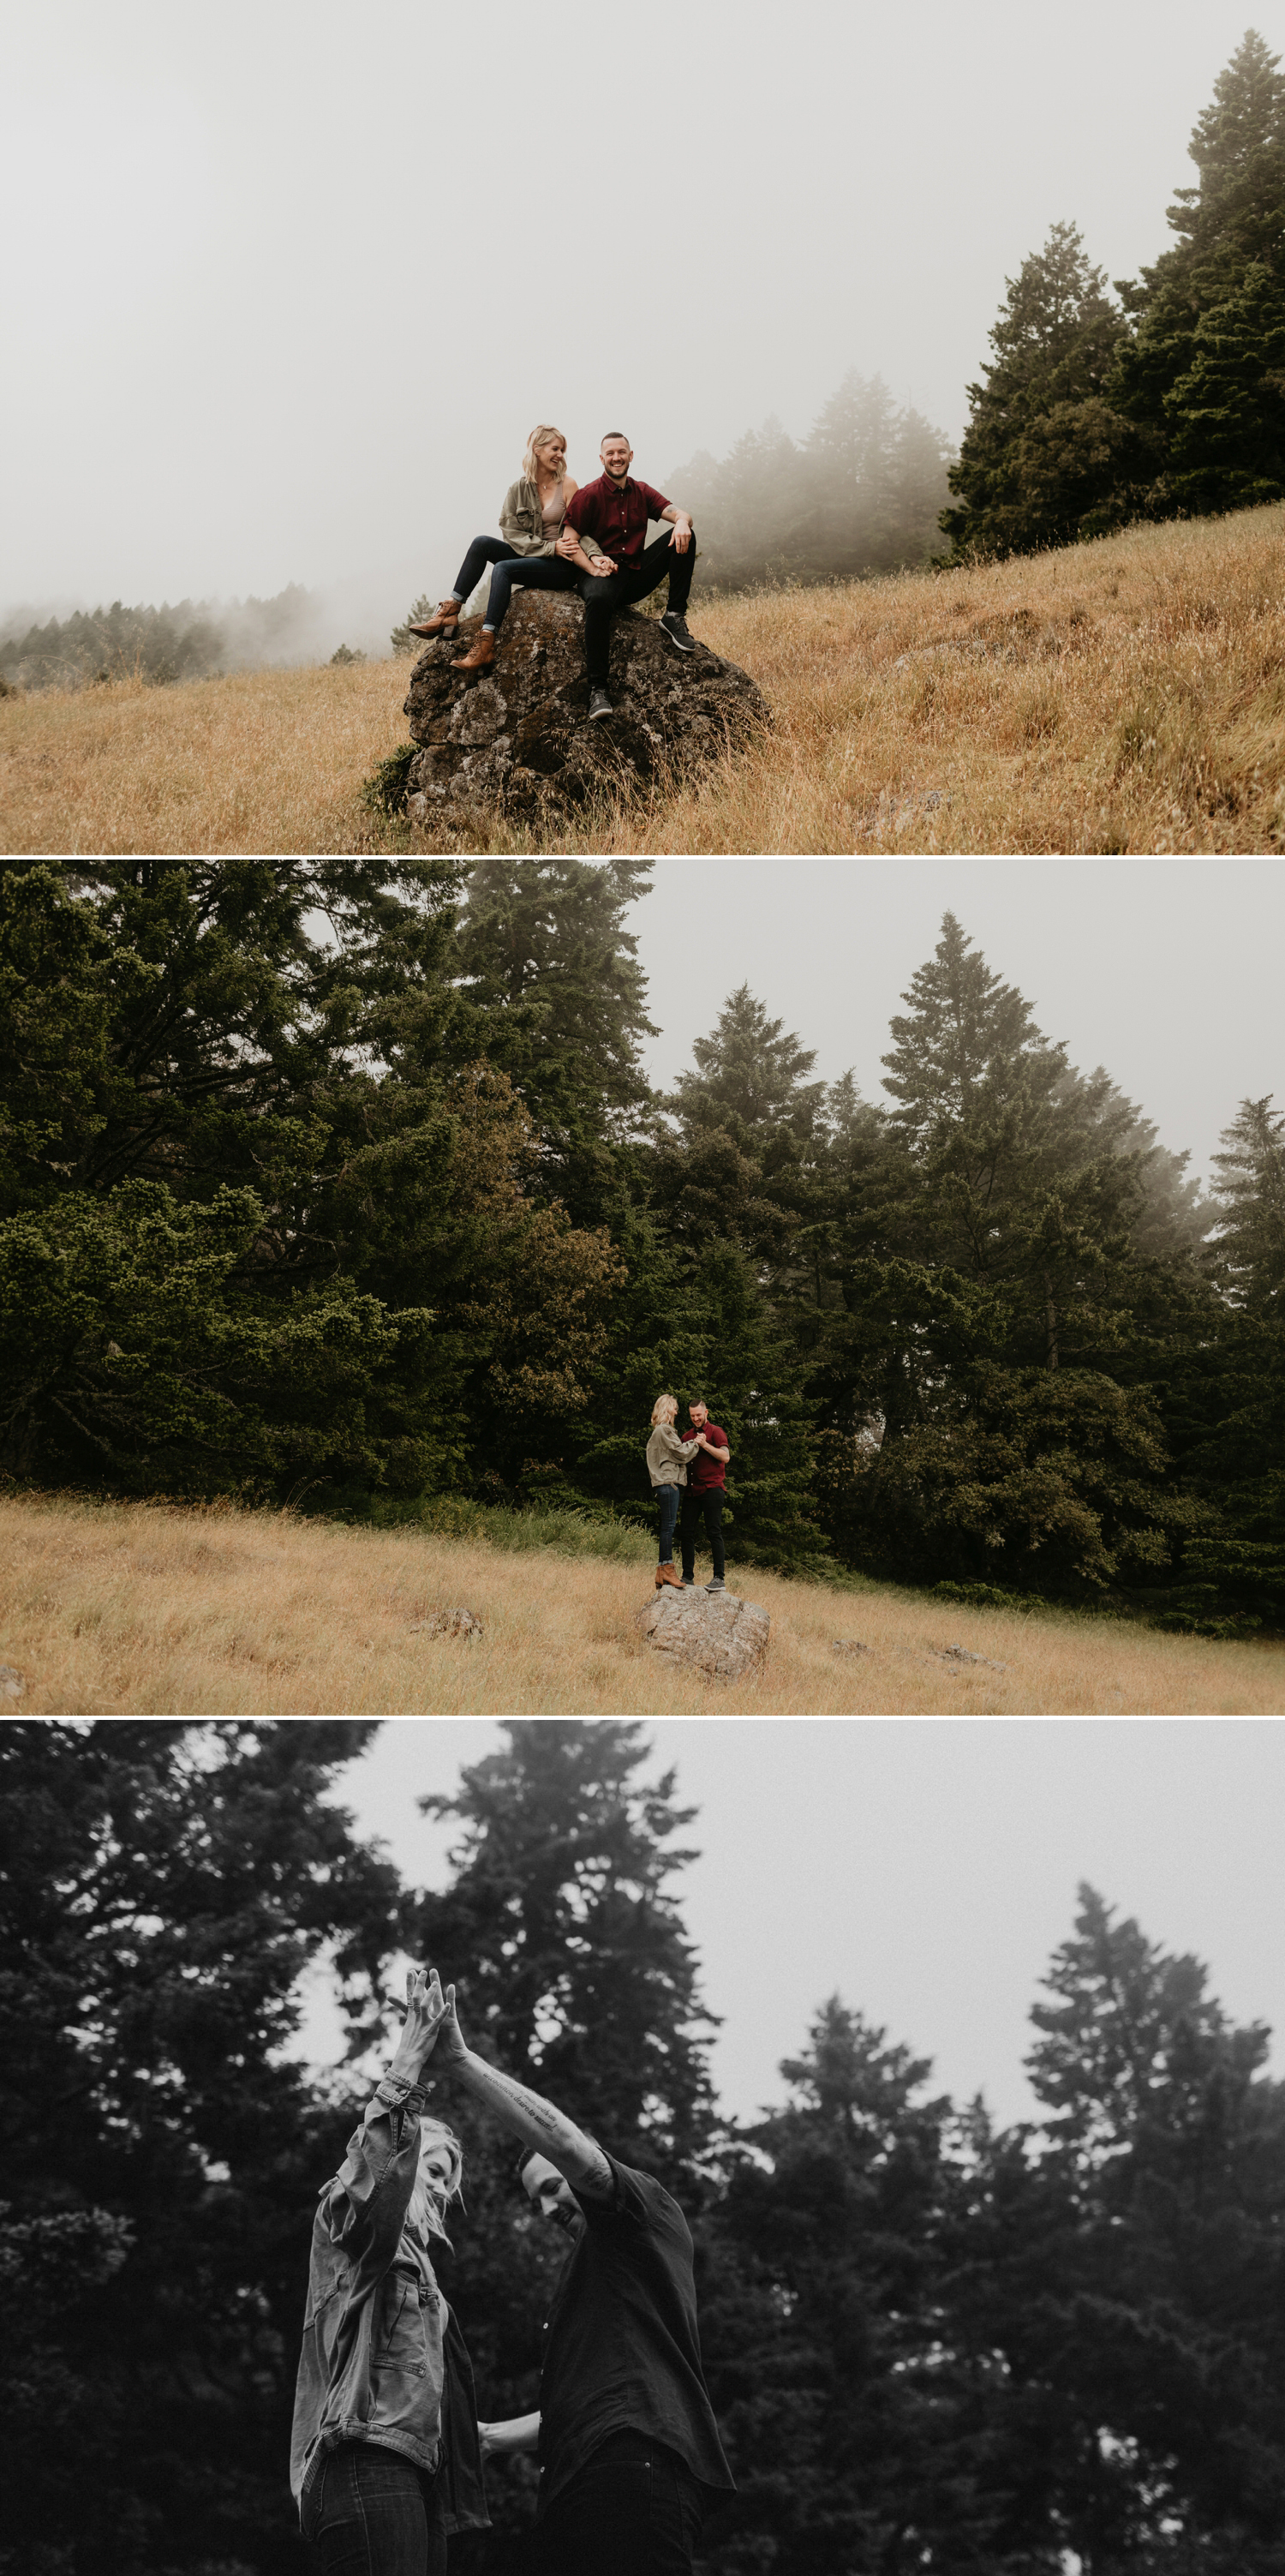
<point x="143" y="1609"/>
<point x="1123" y="696"/>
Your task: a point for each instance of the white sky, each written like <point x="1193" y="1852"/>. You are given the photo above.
<point x="1167" y="971"/>
<point x="923" y="1869"/>
<point x="287" y="283"/>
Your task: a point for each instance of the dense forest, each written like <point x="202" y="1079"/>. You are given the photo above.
<point x="1164" y="401"/>
<point x="932" y="2344"/>
<point x="340" y="1183"/>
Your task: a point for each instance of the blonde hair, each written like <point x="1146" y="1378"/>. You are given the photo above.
<point x="429" y="2202"/>
<point x="665" y="1406"/>
<point x="543" y="430"/>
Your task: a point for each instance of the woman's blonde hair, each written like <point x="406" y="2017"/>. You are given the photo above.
<point x="665" y="1407"/>
<point x="543" y="430"/>
<point x="430" y="2201"/>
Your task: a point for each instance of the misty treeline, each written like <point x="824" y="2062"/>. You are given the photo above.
<point x="340" y="1184"/>
<point x="862" y="493"/>
<point x="932" y="2343"/>
<point x="1165" y="400"/>
<point x="195" y="640"/>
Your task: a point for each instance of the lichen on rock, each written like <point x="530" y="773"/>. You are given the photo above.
<point x="518" y="735"/>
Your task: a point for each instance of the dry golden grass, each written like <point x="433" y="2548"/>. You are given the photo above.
<point x="1127" y="695"/>
<point x="263" y="761"/>
<point x="146" y="1610"/>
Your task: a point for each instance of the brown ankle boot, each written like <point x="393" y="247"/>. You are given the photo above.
<point x="444" y="620"/>
<point x="480" y="657"/>
<point x="669" y="1574"/>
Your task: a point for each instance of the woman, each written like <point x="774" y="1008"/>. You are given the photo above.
<point x="533" y="553"/>
<point x="385" y="2458"/>
<point x="667" y="1462"/>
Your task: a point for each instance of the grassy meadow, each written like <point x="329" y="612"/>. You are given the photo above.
<point x="1127" y="695"/>
<point x="145" y="1609"/>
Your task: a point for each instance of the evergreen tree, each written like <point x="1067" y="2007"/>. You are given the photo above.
<point x="1227" y="1399"/>
<point x="851" y="2426"/>
<point x="1164" y="2334"/>
<point x="562" y="1933"/>
<point x="161" y="1888"/>
<point x="1202" y="376"/>
<point x="1045" y="459"/>
<point x="542" y="946"/>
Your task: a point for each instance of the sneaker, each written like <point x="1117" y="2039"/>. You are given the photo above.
<point x="675" y="627"/>
<point x="717" y="1585"/>
<point x="689" y="1583"/>
<point x="599" y="705"/>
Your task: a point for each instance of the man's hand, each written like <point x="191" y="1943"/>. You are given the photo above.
<point x="426" y="2009"/>
<point x="448" y="2036"/>
<point x="681" y="535"/>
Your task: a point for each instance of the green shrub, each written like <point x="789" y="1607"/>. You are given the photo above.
<point x="384" y="792"/>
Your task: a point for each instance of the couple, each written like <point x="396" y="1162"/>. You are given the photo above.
<point x="688" y="1469"/>
<point x="386" y="2454"/>
<point x="560" y="536"/>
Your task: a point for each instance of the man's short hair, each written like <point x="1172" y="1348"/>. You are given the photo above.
<point x="613" y="433"/>
<point x="524" y="2159"/>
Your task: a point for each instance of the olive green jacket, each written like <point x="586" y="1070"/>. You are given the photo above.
<point x="522" y="522"/>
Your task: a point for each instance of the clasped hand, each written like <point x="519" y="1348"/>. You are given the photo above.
<point x="430" y="2021"/>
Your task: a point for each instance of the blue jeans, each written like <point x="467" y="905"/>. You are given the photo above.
<point x="369" y="2512"/>
<point x="512" y="571"/>
<point x="669" y="1497"/>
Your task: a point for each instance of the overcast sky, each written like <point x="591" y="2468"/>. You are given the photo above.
<point x="1167" y="971"/>
<point x="286" y="283"/>
<point x="925" y="1869"/>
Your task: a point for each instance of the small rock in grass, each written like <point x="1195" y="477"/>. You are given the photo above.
<point x="12" y="1684"/>
<point x="447" y="1623"/>
<point x="964" y="1655"/>
<point x="848" y="1646"/>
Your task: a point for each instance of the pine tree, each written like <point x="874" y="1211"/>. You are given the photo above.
<point x="849" y="2419"/>
<point x="161" y="1888"/>
<point x="1045" y="458"/>
<point x="563" y="1935"/>
<point x="1202" y="375"/>
<point x="1163" y="2331"/>
<point x="1228" y="1396"/>
<point x="542" y="946"/>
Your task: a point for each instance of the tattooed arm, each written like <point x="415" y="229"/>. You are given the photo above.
<point x="536" y="2122"/>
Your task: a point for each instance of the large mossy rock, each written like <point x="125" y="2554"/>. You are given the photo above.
<point x="518" y="736"/>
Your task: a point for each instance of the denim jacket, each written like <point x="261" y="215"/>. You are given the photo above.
<point x="383" y="2359"/>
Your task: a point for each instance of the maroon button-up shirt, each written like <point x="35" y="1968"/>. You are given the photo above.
<point x="617" y="515"/>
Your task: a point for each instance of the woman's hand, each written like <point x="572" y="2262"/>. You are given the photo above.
<point x="426" y="2010"/>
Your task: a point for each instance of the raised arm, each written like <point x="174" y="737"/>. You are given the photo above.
<point x="537" y="2123"/>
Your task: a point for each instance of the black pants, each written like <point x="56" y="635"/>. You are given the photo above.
<point x="511" y="572"/>
<point x="632" y="2510"/>
<point x="710" y="1503"/>
<point x="603" y="595"/>
<point x="369" y="2512"/>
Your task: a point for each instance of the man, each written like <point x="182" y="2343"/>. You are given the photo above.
<point x="704" y="1495"/>
<point x="625" y="2432"/>
<point x="614" y="511"/>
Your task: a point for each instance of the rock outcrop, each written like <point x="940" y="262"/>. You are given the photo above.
<point x="446" y="1623"/>
<point x="518" y="735"/>
<point x="722" y="1635"/>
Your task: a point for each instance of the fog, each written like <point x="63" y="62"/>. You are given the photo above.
<point x="286" y="286"/>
